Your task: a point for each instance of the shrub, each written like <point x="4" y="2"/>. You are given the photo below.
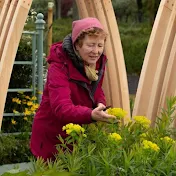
<point x="23" y="106"/>
<point x="14" y="148"/>
<point x="134" y="42"/>
<point x="116" y="149"/>
<point x="61" y="28"/>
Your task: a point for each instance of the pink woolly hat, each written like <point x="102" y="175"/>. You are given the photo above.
<point x="83" y="24"/>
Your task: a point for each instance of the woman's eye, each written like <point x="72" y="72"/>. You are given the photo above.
<point x="90" y="45"/>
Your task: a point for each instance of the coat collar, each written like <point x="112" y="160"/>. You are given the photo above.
<point x="75" y="74"/>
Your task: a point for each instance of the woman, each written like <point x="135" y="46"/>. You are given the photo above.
<point x="73" y="91"/>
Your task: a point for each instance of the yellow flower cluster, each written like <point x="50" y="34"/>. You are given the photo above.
<point x="142" y="120"/>
<point x="25" y="118"/>
<point x="143" y="136"/>
<point x="13" y="122"/>
<point x="115" y="137"/>
<point x="150" y="145"/>
<point x="26" y="101"/>
<point x="15" y="112"/>
<point x="73" y="128"/>
<point x="168" y="140"/>
<point x="16" y="100"/>
<point x="118" y="112"/>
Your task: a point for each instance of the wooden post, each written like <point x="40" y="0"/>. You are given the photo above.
<point x="169" y="84"/>
<point x="1" y="5"/>
<point x="50" y="23"/>
<point x="40" y="26"/>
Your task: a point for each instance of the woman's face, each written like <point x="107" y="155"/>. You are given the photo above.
<point x="91" y="49"/>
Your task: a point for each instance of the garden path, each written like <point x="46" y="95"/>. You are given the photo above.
<point x="20" y="166"/>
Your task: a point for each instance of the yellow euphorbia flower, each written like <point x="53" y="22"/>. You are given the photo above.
<point x="15" y="112"/>
<point x="142" y="120"/>
<point x="73" y="128"/>
<point x="168" y="140"/>
<point x="34" y="98"/>
<point x="13" y="122"/>
<point x="114" y="136"/>
<point x="150" y="145"/>
<point x="118" y="112"/>
<point x="27" y="112"/>
<point x="27" y="97"/>
<point x="16" y="100"/>
<point x="143" y="135"/>
<point x="40" y="92"/>
<point x="29" y="103"/>
<point x="25" y="118"/>
<point x="35" y="106"/>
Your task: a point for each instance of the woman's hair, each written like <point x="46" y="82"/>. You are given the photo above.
<point x="90" y="32"/>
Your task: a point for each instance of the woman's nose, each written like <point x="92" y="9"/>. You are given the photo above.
<point x="95" y="49"/>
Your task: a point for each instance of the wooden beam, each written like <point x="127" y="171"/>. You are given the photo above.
<point x="118" y="60"/>
<point x="115" y="82"/>
<point x="7" y="19"/>
<point x="110" y="79"/>
<point x="3" y="14"/>
<point x="82" y="8"/>
<point x="106" y="87"/>
<point x="1" y="5"/>
<point x="90" y="8"/>
<point x="169" y="83"/>
<point x="151" y="59"/>
<point x="10" y="49"/>
<point x="161" y="67"/>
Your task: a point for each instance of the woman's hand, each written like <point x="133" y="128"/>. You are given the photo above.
<point x="101" y="105"/>
<point x="99" y="115"/>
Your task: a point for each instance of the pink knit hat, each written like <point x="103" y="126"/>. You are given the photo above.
<point x="83" y="24"/>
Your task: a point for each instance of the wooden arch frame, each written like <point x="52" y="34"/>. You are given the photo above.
<point x="115" y="83"/>
<point x="157" y="80"/>
<point x="13" y="14"/>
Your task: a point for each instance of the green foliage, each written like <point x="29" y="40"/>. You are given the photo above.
<point x="134" y="39"/>
<point x="61" y="28"/>
<point x="134" y="42"/>
<point x="125" y="10"/>
<point x="14" y="148"/>
<point x="21" y="77"/>
<point x="41" y="6"/>
<point x="23" y="108"/>
<point x="141" y="150"/>
<point x="22" y="74"/>
<point x="15" y="172"/>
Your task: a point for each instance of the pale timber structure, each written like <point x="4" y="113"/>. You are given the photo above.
<point x="157" y="79"/>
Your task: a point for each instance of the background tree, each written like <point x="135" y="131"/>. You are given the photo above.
<point x="150" y="8"/>
<point x="140" y="10"/>
<point x="62" y="8"/>
<point x="125" y="10"/>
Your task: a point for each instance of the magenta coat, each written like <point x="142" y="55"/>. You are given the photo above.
<point x="68" y="97"/>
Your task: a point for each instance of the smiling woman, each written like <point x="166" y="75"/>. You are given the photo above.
<point x="73" y="91"/>
<point x="90" y="46"/>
